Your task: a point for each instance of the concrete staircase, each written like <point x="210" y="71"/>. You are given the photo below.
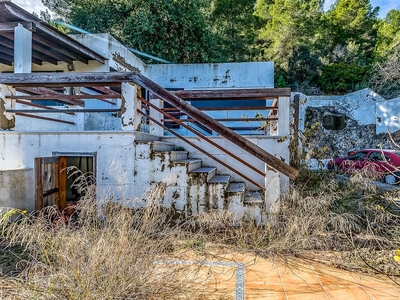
<point x="193" y="188"/>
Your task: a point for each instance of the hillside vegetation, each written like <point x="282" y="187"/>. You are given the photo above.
<point x="336" y="51"/>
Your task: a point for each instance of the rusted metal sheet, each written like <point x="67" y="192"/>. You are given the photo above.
<point x="209" y="122"/>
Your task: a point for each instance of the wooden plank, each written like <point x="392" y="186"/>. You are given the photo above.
<point x="6" y="62"/>
<point x="61" y="40"/>
<point x="54" y="110"/>
<point x="50" y="192"/>
<point x="49" y="159"/>
<point x="233" y="94"/>
<point x="38" y="184"/>
<point x="44" y="118"/>
<point x="56" y="55"/>
<point x="10" y="26"/>
<point x="59" y="48"/>
<point x="64" y="97"/>
<point x="62" y="182"/>
<point x="57" y="183"/>
<point x="91" y="79"/>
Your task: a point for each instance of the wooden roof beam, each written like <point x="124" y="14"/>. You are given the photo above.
<point x="49" y="30"/>
<point x="9" y="52"/>
<point x="6" y="62"/>
<point x="56" y="55"/>
<point x="61" y="50"/>
<point x="43" y="57"/>
<point x="10" y="26"/>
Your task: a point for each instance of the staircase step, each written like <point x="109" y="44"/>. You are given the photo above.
<point x="253" y="198"/>
<point x="163" y="146"/>
<point x="236" y="187"/>
<point x="192" y="164"/>
<point x="209" y="171"/>
<point x="220" y="179"/>
<point x="179" y="155"/>
<point x="175" y="155"/>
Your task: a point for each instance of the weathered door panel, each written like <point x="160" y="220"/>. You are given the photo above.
<point x="50" y="182"/>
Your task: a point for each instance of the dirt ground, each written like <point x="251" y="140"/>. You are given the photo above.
<point x="272" y="279"/>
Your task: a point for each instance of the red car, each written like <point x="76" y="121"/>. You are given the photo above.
<point x="373" y="163"/>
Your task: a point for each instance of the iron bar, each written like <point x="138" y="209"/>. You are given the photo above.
<point x="39" y="106"/>
<point x="44" y="118"/>
<point x="201" y="150"/>
<point x="204" y="137"/>
<point x="272" y="161"/>
<point x="231" y="120"/>
<point x="228" y="108"/>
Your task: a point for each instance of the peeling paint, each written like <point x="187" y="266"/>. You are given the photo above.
<point x="121" y="60"/>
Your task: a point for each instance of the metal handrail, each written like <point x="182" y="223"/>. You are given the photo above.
<point x="194" y="113"/>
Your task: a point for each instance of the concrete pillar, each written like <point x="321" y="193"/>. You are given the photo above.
<point x="154" y="128"/>
<point x="22" y="50"/>
<point x="273" y="190"/>
<point x="130" y="119"/>
<point x="283" y="116"/>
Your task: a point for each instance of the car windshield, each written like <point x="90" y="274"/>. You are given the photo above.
<point x="358" y="156"/>
<point x="397" y="153"/>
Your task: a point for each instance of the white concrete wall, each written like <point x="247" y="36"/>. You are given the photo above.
<point x="114" y="151"/>
<point x="270" y="144"/>
<point x="204" y="76"/>
<point x="364" y="106"/>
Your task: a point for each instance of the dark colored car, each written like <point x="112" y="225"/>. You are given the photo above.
<point x="373" y="163"/>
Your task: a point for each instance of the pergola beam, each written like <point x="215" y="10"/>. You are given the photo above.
<point x="9" y="26"/>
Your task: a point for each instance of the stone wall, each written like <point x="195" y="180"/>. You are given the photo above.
<point x="335" y="125"/>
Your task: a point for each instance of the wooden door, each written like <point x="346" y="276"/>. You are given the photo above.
<point x="50" y="182"/>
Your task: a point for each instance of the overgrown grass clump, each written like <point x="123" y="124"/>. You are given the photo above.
<point x="114" y="252"/>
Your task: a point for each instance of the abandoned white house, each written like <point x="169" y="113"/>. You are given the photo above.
<point x="86" y="101"/>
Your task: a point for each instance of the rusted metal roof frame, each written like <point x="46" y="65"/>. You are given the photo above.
<point x="91" y="79"/>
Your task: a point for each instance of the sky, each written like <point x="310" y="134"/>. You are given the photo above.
<point x="385" y="5"/>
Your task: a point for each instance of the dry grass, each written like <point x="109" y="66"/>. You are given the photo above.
<point x="116" y="252"/>
<point x="121" y="256"/>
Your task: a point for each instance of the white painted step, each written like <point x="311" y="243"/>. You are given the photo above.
<point x="253" y="198"/>
<point x="175" y="155"/>
<point x="163" y="146"/>
<point x="220" y="179"/>
<point x="209" y="171"/>
<point x="192" y="164"/>
<point x="236" y="187"/>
